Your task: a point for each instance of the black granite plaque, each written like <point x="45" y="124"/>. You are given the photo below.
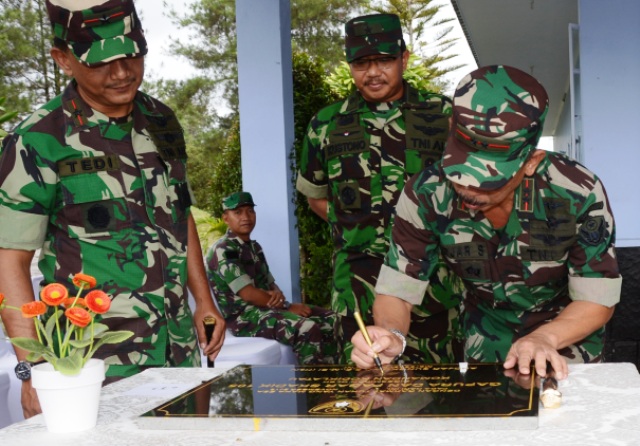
<point x="479" y="396"/>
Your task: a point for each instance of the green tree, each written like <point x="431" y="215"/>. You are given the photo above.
<point x="5" y="116"/>
<point x="316" y="28"/>
<point x="28" y="75"/>
<point x="211" y="47"/>
<point x="418" y="17"/>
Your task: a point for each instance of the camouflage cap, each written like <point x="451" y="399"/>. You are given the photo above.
<point x="237" y="199"/>
<point x="498" y="114"/>
<point x="98" y="31"/>
<point x="373" y="34"/>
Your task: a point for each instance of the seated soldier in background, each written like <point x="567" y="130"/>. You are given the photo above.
<point x="250" y="300"/>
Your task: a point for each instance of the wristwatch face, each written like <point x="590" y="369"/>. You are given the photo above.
<point x="23" y="370"/>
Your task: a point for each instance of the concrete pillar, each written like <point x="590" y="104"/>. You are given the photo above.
<point x="267" y="132"/>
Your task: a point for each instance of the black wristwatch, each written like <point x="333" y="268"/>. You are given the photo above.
<point x="23" y="370"/>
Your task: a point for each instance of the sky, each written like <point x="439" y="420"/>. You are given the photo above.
<point x="160" y="31"/>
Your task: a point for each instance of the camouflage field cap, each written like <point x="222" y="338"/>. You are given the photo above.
<point x="373" y="34"/>
<point x="498" y="114"/>
<point x="237" y="199"/>
<point x="98" y="31"/>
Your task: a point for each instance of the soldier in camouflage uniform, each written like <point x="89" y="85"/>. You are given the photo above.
<point x="252" y="303"/>
<point x="357" y="155"/>
<point x="530" y="232"/>
<point x="96" y="179"/>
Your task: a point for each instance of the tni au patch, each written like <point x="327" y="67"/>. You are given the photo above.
<point x="592" y="230"/>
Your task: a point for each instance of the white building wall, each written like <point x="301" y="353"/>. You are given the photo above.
<point x="610" y="90"/>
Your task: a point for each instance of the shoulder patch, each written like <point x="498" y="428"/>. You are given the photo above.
<point x="592" y="230"/>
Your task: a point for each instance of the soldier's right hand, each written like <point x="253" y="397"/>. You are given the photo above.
<point x="300" y="309"/>
<point x="385" y="343"/>
<point x="276" y="299"/>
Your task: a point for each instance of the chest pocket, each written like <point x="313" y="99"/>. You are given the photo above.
<point x="426" y="135"/>
<point x="470" y="260"/>
<point x="93" y="197"/>
<point x="549" y="243"/>
<point x="550" y="239"/>
<point x="348" y="166"/>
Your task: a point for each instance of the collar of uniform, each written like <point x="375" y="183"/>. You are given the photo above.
<point x="78" y="115"/>
<point x="355" y="103"/>
<point x="233" y="236"/>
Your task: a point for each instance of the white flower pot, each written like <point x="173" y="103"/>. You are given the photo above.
<point x="69" y="403"/>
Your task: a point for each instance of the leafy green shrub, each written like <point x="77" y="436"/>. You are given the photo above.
<point x="209" y="227"/>
<point x="227" y="171"/>
<point x="310" y="94"/>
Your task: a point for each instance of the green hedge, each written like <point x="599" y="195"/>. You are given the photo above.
<point x="310" y="94"/>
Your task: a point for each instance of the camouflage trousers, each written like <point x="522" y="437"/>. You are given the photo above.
<point x="116" y="372"/>
<point x="311" y="338"/>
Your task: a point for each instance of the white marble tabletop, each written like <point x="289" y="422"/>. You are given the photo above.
<point x="601" y="406"/>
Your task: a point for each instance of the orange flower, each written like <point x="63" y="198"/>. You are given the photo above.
<point x="78" y="316"/>
<point x="54" y="294"/>
<point x="84" y="281"/>
<point x="68" y="302"/>
<point x="1" y="300"/>
<point x="98" y="301"/>
<point x="33" y="309"/>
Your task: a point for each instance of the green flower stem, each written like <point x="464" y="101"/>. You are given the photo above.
<point x="38" y="324"/>
<point x="89" y="352"/>
<point x="57" y="319"/>
<point x="65" y="343"/>
<point x="40" y="329"/>
<point x="80" y="288"/>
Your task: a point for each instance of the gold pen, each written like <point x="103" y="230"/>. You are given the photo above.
<point x="365" y="333"/>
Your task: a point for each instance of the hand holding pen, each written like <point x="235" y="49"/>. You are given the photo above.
<point x="365" y="334"/>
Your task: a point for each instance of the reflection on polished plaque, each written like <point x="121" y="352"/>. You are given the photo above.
<point x="404" y="398"/>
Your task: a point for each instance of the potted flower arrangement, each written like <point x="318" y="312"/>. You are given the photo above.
<point x="67" y="339"/>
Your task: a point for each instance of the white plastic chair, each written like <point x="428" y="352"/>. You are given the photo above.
<point x="249" y="350"/>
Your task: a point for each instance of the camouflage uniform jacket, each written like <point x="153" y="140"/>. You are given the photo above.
<point x="557" y="247"/>
<point x="359" y="155"/>
<point x="109" y="199"/>
<point x="232" y="264"/>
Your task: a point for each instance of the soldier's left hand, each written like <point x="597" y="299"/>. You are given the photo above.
<point x="536" y="348"/>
